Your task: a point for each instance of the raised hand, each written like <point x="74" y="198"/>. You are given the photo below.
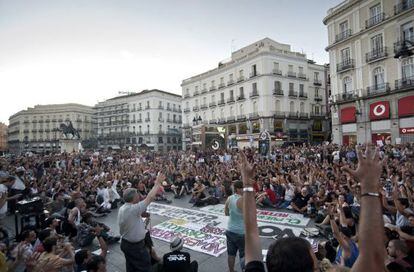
<point x="246" y="169"/>
<point x="368" y="171"/>
<point x="160" y="178"/>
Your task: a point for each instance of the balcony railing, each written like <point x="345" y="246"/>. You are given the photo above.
<point x="375" y="20"/>
<point x="293" y="94"/>
<point x="240" y="98"/>
<point x="400" y="42"/>
<point x="303" y="115"/>
<point x="403" y="6"/>
<point x="147" y="107"/>
<point x="203" y="90"/>
<point x="303" y="95"/>
<point x="376" y="54"/>
<point x="317" y="114"/>
<point x="378" y="89"/>
<point x="196" y="93"/>
<point x="293" y="114"/>
<point x="277" y="92"/>
<point x="343" y="35"/>
<point x="212" y="104"/>
<point x="231" y="119"/>
<point x="302" y="76"/>
<point x="195" y="108"/>
<point x="186" y="95"/>
<point x="279" y="114"/>
<point x="221" y="85"/>
<point x="241" y="117"/>
<point x="253" y="74"/>
<point x="291" y="74"/>
<point x="240" y="79"/>
<point x="139" y="120"/>
<point x="254" y="115"/>
<point x="345" y="65"/>
<point x="212" y="88"/>
<point x="253" y="94"/>
<point x="277" y="72"/>
<point x="317" y="82"/>
<point x="186" y="109"/>
<point x="221" y="102"/>
<point x="318" y="97"/>
<point x="346" y="96"/>
<point x="147" y="119"/>
<point x="203" y="106"/>
<point x="230" y="100"/>
<point x="404" y="83"/>
<point x="161" y="107"/>
<point x="221" y="120"/>
<point x="230" y="82"/>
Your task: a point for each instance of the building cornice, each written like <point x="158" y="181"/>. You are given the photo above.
<point x="339" y="9"/>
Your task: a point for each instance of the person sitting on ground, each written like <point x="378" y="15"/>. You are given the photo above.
<point x="283" y="255"/>
<point x="178" y="187"/>
<point x="198" y="192"/>
<point x="84" y="256"/>
<point x="50" y="255"/>
<point x="178" y="260"/>
<point x="301" y="200"/>
<point x="398" y="255"/>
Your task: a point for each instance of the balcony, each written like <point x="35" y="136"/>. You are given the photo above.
<point x="196" y="93"/>
<point x="147" y="119"/>
<point x="139" y="120"/>
<point x="212" y="121"/>
<point x="231" y="119"/>
<point x="212" y="88"/>
<point x="303" y="115"/>
<point x="400" y="43"/>
<point x="278" y="92"/>
<point x="160" y="119"/>
<point x="345" y="65"/>
<point x="186" y="96"/>
<point x="254" y="94"/>
<point x="277" y="72"/>
<point x="47" y="130"/>
<point x="169" y="120"/>
<point x="403" y="6"/>
<point x="230" y="82"/>
<point x="221" y="102"/>
<point x="241" y="117"/>
<point x="204" y="90"/>
<point x="343" y="35"/>
<point x="302" y="76"/>
<point x="195" y="108"/>
<point x="221" y="85"/>
<point x="34" y="130"/>
<point x="317" y="82"/>
<point x="221" y="120"/>
<point x="230" y="100"/>
<point x="349" y="96"/>
<point x="303" y="95"/>
<point x="404" y="83"/>
<point x="293" y="94"/>
<point x="240" y="79"/>
<point x="318" y="98"/>
<point x="378" y="89"/>
<point x="186" y="110"/>
<point x="253" y="74"/>
<point x="279" y="114"/>
<point x="293" y="114"/>
<point x="203" y="106"/>
<point x="376" y="54"/>
<point x="254" y="115"/>
<point x="241" y="98"/>
<point x="147" y="107"/>
<point x="212" y="104"/>
<point x="291" y="74"/>
<point x="317" y="114"/>
<point x="26" y="131"/>
<point x="375" y="20"/>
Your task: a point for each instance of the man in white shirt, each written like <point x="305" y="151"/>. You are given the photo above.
<point x="5" y="183"/>
<point x="132" y="228"/>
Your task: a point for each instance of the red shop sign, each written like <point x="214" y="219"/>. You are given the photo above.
<point x="409" y="130"/>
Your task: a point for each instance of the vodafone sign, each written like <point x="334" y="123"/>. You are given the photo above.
<point x="379" y="110"/>
<point x="408" y="130"/>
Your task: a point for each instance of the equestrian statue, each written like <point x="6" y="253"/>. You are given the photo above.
<point x="68" y="129"/>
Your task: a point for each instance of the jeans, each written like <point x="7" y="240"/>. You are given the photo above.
<point x="284" y="204"/>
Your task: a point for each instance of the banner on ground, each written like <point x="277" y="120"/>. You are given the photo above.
<point x="274" y="217"/>
<point x="197" y="237"/>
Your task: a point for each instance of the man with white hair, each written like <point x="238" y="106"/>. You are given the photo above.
<point x="132" y="227"/>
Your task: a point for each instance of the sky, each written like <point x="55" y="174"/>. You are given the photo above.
<point x="86" y="51"/>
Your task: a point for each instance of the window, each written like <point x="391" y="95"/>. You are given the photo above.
<point x="407" y="31"/>
<point x="343" y="27"/>
<point x="160" y="128"/>
<point x="148" y="115"/>
<point x="204" y="100"/>
<point x="140" y="116"/>
<point x="160" y="116"/>
<point x="196" y="88"/>
<point x="290" y="68"/>
<point x="316" y="92"/>
<point x="212" y="83"/>
<point x="345" y="54"/>
<point x="222" y="113"/>
<point x="302" y="107"/>
<point x="377" y="43"/>
<point x="276" y="65"/>
<point x="213" y="98"/>
<point x="213" y="114"/>
<point x="375" y="11"/>
<point x="231" y="77"/>
<point x="291" y="87"/>
<point x="231" y="94"/>
<point x="277" y="105"/>
<point x="278" y="85"/>
<point x="241" y="73"/>
<point x="292" y="106"/>
<point x="408" y="68"/>
<point x="148" y="104"/>
<point x="222" y="80"/>
<point x="187" y="105"/>
<point x="301" y="89"/>
<point x="347" y="84"/>
<point x="231" y="111"/>
<point x="204" y="86"/>
<point x="316" y="109"/>
<point x="241" y="92"/>
<point x="160" y="141"/>
<point x="316" y="76"/>
<point x="254" y="70"/>
<point x="378" y="78"/>
<point x="300" y="70"/>
<point x="254" y="87"/>
<point x="221" y="96"/>
<point x="196" y="102"/>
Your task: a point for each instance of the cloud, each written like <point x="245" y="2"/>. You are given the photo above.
<point x="126" y="54"/>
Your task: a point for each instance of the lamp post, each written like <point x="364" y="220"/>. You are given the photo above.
<point x="197" y="120"/>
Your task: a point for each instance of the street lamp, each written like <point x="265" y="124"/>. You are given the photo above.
<point x="197" y="120"/>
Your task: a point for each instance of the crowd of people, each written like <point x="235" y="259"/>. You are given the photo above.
<point x="362" y="205"/>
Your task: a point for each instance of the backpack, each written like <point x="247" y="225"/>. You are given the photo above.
<point x="84" y="235"/>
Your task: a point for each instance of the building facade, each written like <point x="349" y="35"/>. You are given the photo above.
<point x="263" y="87"/>
<point x="148" y="119"/>
<point x="36" y="129"/>
<point x="371" y="71"/>
<point x="3" y="138"/>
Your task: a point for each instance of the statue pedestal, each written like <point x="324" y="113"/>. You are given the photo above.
<point x="69" y="145"/>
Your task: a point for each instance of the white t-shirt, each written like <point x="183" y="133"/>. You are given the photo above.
<point x="18" y="184"/>
<point x="3" y="190"/>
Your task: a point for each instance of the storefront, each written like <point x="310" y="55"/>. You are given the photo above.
<point x="406" y="122"/>
<point x="379" y="115"/>
<point x="349" y="129"/>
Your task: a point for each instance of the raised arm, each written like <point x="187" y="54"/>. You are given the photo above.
<point x="371" y="229"/>
<point x="157" y="185"/>
<point x="252" y="240"/>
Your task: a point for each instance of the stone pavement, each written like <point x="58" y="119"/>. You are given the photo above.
<point x="116" y="260"/>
